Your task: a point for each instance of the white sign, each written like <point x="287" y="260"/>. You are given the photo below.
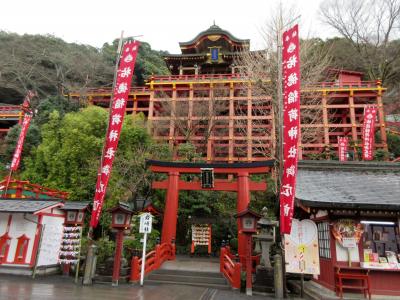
<point x="301" y="248"/>
<point x="51" y="241"/>
<point x="349" y="242"/>
<point x="146" y="221"/>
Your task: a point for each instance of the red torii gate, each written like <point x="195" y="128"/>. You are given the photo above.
<point x="243" y="185"/>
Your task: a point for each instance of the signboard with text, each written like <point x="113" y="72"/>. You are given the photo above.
<point x="301" y="248"/>
<point x="146" y="221"/>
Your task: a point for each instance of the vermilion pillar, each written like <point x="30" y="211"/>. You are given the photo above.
<point x="242" y="203"/>
<point x="171" y="209"/>
<point x="117" y="256"/>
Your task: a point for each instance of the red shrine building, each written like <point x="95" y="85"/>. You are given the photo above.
<point x="208" y="102"/>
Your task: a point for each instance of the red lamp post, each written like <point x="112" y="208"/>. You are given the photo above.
<point x="121" y="221"/>
<point x="248" y="219"/>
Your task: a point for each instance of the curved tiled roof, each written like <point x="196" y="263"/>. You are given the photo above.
<point x="363" y="185"/>
<point x="214" y="30"/>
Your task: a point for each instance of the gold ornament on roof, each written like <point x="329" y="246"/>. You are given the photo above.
<point x="214" y="37"/>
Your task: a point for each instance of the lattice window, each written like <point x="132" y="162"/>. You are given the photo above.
<point x="324" y="240"/>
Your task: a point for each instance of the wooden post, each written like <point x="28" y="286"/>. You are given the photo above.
<point x="173" y="116"/>
<point x="249" y="278"/>
<point x="353" y="123"/>
<point x="117" y="257"/>
<point x="381" y="113"/>
<point x="236" y="276"/>
<point x="249" y="123"/>
<point x="222" y="259"/>
<point x="134" y="269"/>
<point x="171" y="209"/>
<point x="243" y="200"/>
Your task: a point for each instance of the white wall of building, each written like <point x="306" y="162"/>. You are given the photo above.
<point x="3" y="222"/>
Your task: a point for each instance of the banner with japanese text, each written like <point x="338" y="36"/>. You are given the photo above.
<point x="343" y="143"/>
<point x="20" y="144"/>
<point x="117" y="113"/>
<point x="368" y="132"/>
<point x="291" y="125"/>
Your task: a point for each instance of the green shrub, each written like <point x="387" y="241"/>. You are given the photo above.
<point x="105" y="249"/>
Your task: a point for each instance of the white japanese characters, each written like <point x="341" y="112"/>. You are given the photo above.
<point x="117" y="113"/>
<point x="291" y="125"/>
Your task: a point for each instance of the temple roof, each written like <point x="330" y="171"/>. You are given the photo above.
<point x="27" y="205"/>
<point x="362" y="185"/>
<point x="75" y="205"/>
<point x="214" y="30"/>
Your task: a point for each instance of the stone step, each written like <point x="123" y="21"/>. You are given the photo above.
<point x="104" y="271"/>
<point x="188" y="273"/>
<point x="209" y="285"/>
<point x="187" y="279"/>
<point x="107" y="279"/>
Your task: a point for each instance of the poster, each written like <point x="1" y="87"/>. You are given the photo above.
<point x="301" y="248"/>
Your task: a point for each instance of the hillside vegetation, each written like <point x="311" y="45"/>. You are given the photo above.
<point x="52" y="66"/>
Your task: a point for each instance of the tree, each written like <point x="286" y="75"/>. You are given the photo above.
<point x="42" y="110"/>
<point x="148" y="62"/>
<point x="68" y="156"/>
<point x="262" y="69"/>
<point x="370" y="28"/>
<point x="48" y="65"/>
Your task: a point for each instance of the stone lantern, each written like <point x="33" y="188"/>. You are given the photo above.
<point x="266" y="238"/>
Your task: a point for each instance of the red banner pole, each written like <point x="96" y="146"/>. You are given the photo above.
<point x="121" y="89"/>
<point x="26" y="108"/>
<point x="291" y="125"/>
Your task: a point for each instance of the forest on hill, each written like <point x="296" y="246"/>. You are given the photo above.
<point x="51" y="66"/>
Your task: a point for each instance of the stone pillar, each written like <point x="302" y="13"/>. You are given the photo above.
<point x="278" y="276"/>
<point x="90" y="265"/>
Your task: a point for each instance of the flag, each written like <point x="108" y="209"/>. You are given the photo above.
<point x="117" y="112"/>
<point x="368" y="133"/>
<point x="291" y="125"/>
<point x="343" y="143"/>
<point x="20" y="144"/>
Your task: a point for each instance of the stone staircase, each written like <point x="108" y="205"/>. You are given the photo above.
<point x="184" y="277"/>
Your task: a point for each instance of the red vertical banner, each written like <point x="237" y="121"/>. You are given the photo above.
<point x="368" y="132"/>
<point x="117" y="114"/>
<point x="343" y="143"/>
<point x="291" y="125"/>
<point x="20" y="144"/>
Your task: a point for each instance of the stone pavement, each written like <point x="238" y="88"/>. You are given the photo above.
<point x="62" y="288"/>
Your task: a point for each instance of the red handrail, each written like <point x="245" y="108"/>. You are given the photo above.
<point x="231" y="270"/>
<point x="154" y="259"/>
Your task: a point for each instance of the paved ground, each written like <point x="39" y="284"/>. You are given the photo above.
<point x="187" y="263"/>
<point x="63" y="288"/>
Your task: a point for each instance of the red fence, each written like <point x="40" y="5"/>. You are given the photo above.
<point x="25" y="189"/>
<point x="230" y="269"/>
<point x="154" y="259"/>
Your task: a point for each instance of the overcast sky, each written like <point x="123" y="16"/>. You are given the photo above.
<point x="162" y="23"/>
